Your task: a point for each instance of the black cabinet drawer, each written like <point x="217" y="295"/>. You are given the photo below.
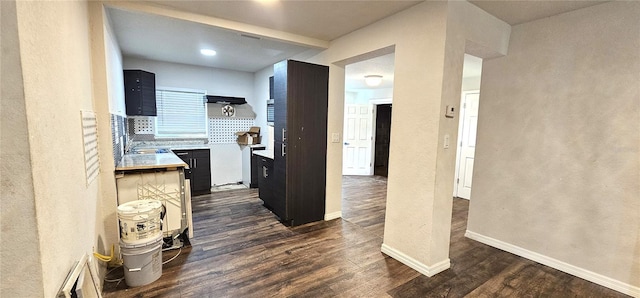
<point x="265" y="181"/>
<point x="199" y="161"/>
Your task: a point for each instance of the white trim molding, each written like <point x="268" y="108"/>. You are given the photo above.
<point x="414" y="264"/>
<point x="332" y="215"/>
<point x="557" y="264"/>
<point x="381" y="101"/>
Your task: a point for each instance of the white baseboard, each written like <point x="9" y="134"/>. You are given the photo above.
<point x="332" y="215"/>
<point x="557" y="264"/>
<point x="413" y="263"/>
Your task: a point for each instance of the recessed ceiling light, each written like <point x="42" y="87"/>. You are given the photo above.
<point x="266" y="1"/>
<point x="208" y="52"/>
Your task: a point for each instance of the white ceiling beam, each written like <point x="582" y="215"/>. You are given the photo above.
<point x="220" y="23"/>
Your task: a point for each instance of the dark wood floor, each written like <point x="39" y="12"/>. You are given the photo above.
<point x="240" y="250"/>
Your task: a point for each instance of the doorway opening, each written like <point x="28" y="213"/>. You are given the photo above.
<point x="360" y="142"/>
<point x="467" y="126"/>
<point x="366" y="139"/>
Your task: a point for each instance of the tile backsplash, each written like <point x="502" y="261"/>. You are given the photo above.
<point x="223" y="130"/>
<point x="220" y="130"/>
<point x="118" y="136"/>
<point x="135" y="131"/>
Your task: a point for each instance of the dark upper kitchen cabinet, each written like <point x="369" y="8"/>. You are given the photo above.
<point x="140" y="93"/>
<point x="199" y="163"/>
<point x="300" y="147"/>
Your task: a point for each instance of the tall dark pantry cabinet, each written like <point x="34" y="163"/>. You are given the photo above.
<point x="300" y="141"/>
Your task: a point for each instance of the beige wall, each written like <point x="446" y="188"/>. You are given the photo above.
<point x="57" y="83"/>
<point x="112" y="56"/>
<point x="429" y="52"/>
<point x="108" y="97"/>
<point x="557" y="165"/>
<point x="20" y="249"/>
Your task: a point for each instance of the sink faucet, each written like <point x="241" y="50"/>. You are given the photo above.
<point x="128" y="148"/>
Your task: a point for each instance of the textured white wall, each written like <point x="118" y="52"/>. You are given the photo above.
<point x="56" y="67"/>
<point x="20" y="248"/>
<point x="260" y="95"/>
<point x="427" y="75"/>
<point x="216" y="81"/>
<point x="557" y="168"/>
<point x="108" y="97"/>
<point x="471" y="83"/>
<point x="115" y="76"/>
<point x="363" y="96"/>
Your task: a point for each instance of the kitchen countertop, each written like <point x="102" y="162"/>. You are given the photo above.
<point x="264" y="153"/>
<point x="187" y="147"/>
<point x="172" y="147"/>
<point x="149" y="161"/>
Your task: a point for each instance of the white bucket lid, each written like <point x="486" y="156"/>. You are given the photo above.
<point x="140" y="206"/>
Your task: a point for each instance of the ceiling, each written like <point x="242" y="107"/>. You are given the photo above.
<point x="324" y="20"/>
<point x="163" y="38"/>
<point x="518" y="12"/>
<point x="383" y="65"/>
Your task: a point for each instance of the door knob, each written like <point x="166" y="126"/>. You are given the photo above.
<point x="347" y="144"/>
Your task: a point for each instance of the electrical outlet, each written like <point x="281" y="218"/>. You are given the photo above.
<point x="450" y="111"/>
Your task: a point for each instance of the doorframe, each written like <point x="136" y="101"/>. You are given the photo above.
<point x="373" y="105"/>
<point x="463" y="110"/>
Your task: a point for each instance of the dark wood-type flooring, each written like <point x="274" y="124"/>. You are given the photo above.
<point x="239" y="249"/>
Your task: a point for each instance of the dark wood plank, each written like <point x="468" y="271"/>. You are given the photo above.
<point x="240" y="249"/>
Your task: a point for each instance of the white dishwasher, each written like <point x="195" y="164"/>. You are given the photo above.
<point x="167" y="187"/>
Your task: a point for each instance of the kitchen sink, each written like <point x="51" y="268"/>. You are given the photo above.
<point x="150" y="150"/>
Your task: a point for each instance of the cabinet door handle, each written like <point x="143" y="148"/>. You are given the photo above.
<point x="195" y="162"/>
<point x="265" y="174"/>
<point x="284" y="134"/>
<point x="284" y="149"/>
<point x="181" y="153"/>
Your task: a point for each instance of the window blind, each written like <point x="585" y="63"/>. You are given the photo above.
<point x="181" y="113"/>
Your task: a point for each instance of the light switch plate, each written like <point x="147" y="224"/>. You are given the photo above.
<point x="335" y="137"/>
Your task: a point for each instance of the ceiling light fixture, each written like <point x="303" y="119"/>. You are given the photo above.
<point x="267" y="2"/>
<point x="208" y="52"/>
<point x="373" y="80"/>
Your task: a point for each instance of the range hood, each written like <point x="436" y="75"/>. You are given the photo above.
<point x="216" y="110"/>
<point x="225" y="99"/>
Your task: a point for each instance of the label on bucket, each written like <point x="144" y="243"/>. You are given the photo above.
<point x="139" y="220"/>
<point x="157" y="264"/>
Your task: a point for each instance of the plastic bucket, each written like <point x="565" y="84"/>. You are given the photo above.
<point x="142" y="262"/>
<point x="140" y="221"/>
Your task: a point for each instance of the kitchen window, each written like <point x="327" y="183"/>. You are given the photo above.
<point x="181" y="113"/>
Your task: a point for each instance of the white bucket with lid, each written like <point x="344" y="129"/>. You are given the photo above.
<point x="140" y="221"/>
<point x="142" y="262"/>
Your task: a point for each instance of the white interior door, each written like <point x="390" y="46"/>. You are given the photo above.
<point x="467" y="144"/>
<point x="356" y="155"/>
